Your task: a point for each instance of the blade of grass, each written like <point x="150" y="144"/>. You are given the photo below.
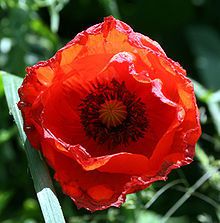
<point x="42" y="182"/>
<point x="188" y="194"/>
<point x="161" y="191"/>
<point x="199" y="195"/>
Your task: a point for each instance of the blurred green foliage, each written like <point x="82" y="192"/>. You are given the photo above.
<point x="189" y="32"/>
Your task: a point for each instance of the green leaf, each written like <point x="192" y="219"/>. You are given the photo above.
<point x="42" y="182"/>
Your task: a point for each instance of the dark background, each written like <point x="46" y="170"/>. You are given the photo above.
<point x="188" y="31"/>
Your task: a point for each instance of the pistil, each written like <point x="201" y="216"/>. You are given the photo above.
<point x="112" y="113"/>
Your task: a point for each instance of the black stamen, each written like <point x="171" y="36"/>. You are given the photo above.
<point x="133" y="126"/>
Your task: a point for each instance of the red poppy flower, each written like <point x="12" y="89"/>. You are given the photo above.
<point x="111" y="114"/>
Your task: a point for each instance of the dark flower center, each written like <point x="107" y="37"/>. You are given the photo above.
<point x="112" y="115"/>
